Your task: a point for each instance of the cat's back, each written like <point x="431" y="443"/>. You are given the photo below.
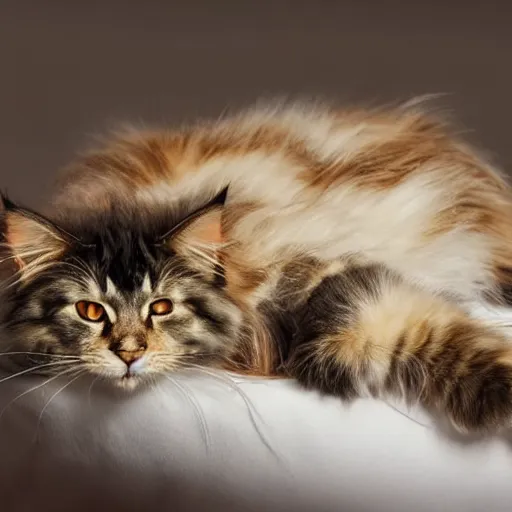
<point x="393" y="184"/>
<point x="269" y="148"/>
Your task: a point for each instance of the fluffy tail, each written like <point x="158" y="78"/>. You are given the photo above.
<point x="366" y="330"/>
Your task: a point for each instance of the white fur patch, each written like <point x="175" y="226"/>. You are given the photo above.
<point x="496" y="316"/>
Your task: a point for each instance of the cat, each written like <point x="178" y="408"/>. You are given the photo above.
<point x="339" y="247"/>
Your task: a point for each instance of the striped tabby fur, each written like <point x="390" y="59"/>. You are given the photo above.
<point x="345" y="252"/>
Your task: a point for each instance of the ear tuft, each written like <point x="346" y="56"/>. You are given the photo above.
<point x="5" y="203"/>
<point x="32" y="241"/>
<point x="199" y="237"/>
<point x="220" y="198"/>
<point x="203" y="230"/>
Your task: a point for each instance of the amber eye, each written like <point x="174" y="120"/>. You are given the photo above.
<point x="91" y="311"/>
<point x="161" y="307"/>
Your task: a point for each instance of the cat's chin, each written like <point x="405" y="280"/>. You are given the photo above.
<point x="129" y="382"/>
<point x="126" y="382"/>
<point x="119" y="376"/>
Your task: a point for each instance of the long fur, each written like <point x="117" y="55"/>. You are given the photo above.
<point x="353" y="242"/>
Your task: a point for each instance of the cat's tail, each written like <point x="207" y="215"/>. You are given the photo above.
<point x="367" y="330"/>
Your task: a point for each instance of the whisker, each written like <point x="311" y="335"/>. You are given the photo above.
<point x="64" y="372"/>
<point x="247" y="401"/>
<point x="226" y="380"/>
<point x="59" y="356"/>
<point x="196" y="407"/>
<point x="80" y="374"/>
<point x="82" y="274"/>
<point x="34" y="368"/>
<point x="89" y="392"/>
<point x="405" y="415"/>
<point x="176" y="272"/>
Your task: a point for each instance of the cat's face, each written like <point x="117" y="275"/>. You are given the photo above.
<point x="123" y="299"/>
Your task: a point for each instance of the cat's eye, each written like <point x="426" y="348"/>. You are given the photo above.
<point x="161" y="307"/>
<point x="90" y="311"/>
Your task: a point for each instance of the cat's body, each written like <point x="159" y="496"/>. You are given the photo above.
<point x="392" y="186"/>
<point x="345" y="254"/>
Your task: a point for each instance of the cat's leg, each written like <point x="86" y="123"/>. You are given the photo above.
<point x="366" y="329"/>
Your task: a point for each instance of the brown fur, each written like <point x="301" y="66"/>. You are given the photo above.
<point x="318" y="199"/>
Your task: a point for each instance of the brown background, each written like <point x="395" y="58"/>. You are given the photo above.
<point x="71" y="68"/>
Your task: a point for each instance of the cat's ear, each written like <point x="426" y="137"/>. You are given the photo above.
<point x="199" y="236"/>
<point x="29" y="239"/>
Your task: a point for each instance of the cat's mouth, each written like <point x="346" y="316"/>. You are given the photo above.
<point x="128" y="381"/>
<point x="129" y="377"/>
<point x="132" y="374"/>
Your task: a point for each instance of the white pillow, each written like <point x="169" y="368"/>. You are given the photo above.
<point x="99" y="449"/>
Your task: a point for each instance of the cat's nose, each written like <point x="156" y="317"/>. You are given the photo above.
<point x="129" y="356"/>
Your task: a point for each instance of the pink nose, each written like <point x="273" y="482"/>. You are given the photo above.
<point x="129" y="356"/>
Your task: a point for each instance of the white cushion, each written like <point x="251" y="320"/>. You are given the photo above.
<point x="108" y="450"/>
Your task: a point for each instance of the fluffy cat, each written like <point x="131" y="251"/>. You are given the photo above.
<point x="342" y="248"/>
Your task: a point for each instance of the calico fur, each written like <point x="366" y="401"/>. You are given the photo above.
<point x="350" y="242"/>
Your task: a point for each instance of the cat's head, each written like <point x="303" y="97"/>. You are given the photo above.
<point x="124" y="294"/>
